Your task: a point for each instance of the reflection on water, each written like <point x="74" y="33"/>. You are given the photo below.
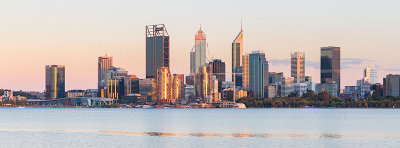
<point x="199" y="127"/>
<point x="231" y="135"/>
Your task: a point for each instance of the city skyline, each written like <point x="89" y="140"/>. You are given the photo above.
<point x="77" y="47"/>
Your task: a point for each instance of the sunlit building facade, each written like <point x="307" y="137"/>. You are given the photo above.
<point x="298" y="66"/>
<point x="163" y="82"/>
<point x="104" y="64"/>
<point x="198" y="56"/>
<point x="55" y="81"/>
<point x="204" y="82"/>
<point x="237" y="52"/>
<point x="178" y="87"/>
<point x="245" y="74"/>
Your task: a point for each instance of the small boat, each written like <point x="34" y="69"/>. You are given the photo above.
<point x="20" y="107"/>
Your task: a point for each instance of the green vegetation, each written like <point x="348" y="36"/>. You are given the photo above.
<point x="322" y="100"/>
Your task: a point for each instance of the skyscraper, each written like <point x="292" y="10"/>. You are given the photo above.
<point x="163" y="82"/>
<point x="55" y="81"/>
<point x="157" y="49"/>
<point x="330" y="66"/>
<point x="237" y="52"/>
<point x="204" y="82"/>
<point x="297" y="67"/>
<point x="198" y="58"/>
<point x="218" y="69"/>
<point x="104" y="65"/>
<point x="177" y="87"/>
<point x="258" y="74"/>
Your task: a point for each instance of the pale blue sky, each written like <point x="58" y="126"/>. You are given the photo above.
<point x="74" y="33"/>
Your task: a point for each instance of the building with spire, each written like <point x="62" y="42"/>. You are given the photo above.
<point x="237" y="52"/>
<point x="198" y="56"/>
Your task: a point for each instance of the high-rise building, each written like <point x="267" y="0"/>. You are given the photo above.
<point x="258" y="74"/>
<point x="163" y="82"/>
<point x="218" y="69"/>
<point x="199" y="55"/>
<point x="391" y="85"/>
<point x="178" y="87"/>
<point x="298" y="66"/>
<point x="237" y="52"/>
<point x="245" y="74"/>
<point x="104" y="65"/>
<point x="157" y="49"/>
<point x="370" y="75"/>
<point x="330" y="66"/>
<point x="204" y="82"/>
<point x="55" y="81"/>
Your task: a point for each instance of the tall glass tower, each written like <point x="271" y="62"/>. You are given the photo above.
<point x="237" y="51"/>
<point x="258" y="74"/>
<point x="55" y="81"/>
<point x="198" y="58"/>
<point x="330" y="65"/>
<point x="157" y="49"/>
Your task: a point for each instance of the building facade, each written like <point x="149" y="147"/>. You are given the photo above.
<point x="104" y="64"/>
<point x="218" y="70"/>
<point x="330" y="87"/>
<point x="298" y="67"/>
<point x="55" y="81"/>
<point x="199" y="55"/>
<point x="245" y="74"/>
<point x="391" y="85"/>
<point x="330" y="66"/>
<point x="237" y="52"/>
<point x="157" y="49"/>
<point x="258" y="74"/>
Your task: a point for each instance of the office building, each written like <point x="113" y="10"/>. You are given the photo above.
<point x="104" y="64"/>
<point x="237" y="52"/>
<point x="199" y="53"/>
<point x="330" y="66"/>
<point x="55" y="81"/>
<point x="178" y="87"/>
<point x="157" y="49"/>
<point x="298" y="66"/>
<point x="258" y="74"/>
<point x="163" y="82"/>
<point x="218" y="70"/>
<point x="391" y="85"/>
<point x="203" y="82"/>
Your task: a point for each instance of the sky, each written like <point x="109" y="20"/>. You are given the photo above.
<point x="35" y="33"/>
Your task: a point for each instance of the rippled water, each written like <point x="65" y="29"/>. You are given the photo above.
<point x="56" y="127"/>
